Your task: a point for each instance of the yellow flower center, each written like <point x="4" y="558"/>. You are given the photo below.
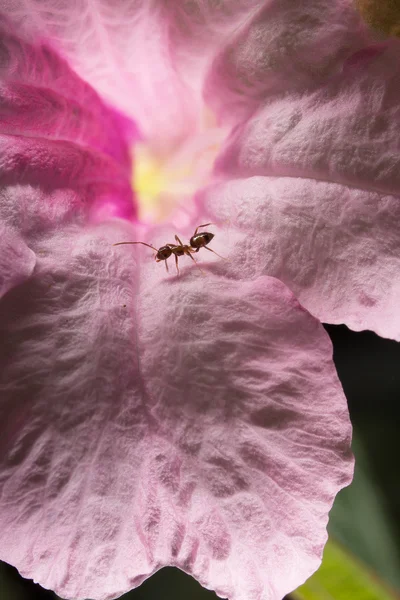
<point x="165" y="183"/>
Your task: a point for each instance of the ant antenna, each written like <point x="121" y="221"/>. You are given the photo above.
<point x="144" y="244"/>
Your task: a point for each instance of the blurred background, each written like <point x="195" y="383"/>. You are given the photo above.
<point x="365" y="518"/>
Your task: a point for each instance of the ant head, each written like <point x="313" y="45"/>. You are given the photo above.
<point x="163" y="253"/>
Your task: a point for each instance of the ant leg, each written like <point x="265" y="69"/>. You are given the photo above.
<point x="205" y="225"/>
<point x="195" y="261"/>
<point x="223" y="257"/>
<point x="166" y="265"/>
<point x="178" y="240"/>
<point x="176" y="264"/>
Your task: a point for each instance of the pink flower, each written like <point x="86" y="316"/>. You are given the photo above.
<point x="151" y="420"/>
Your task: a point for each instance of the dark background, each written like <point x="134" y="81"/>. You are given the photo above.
<point x="365" y="517"/>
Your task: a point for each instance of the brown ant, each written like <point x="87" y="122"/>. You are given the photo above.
<point x="197" y="241"/>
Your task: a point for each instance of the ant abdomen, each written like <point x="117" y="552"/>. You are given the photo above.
<point x="199" y="240"/>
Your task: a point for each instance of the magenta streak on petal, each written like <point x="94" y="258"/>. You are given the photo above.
<point x="148" y="59"/>
<point x="363" y="57"/>
<point x="38" y="83"/>
<point x="55" y="131"/>
<point x="31" y="111"/>
<point x="60" y="164"/>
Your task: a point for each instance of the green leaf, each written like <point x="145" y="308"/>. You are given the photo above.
<point x="342" y="577"/>
<point x="361" y="520"/>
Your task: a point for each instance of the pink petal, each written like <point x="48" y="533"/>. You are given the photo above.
<point x="319" y="100"/>
<point x="122" y="49"/>
<point x="56" y="133"/>
<point x="42" y="97"/>
<point x="285" y="47"/>
<point x="200" y="424"/>
<point x="344" y="130"/>
<point x="146" y="58"/>
<point x="336" y="247"/>
<point x="198" y="30"/>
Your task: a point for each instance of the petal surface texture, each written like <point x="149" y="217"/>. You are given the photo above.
<point x="135" y="52"/>
<point x="336" y="247"/>
<point x="57" y="134"/>
<point x="182" y="424"/>
<point x="315" y="159"/>
<point x="17" y="261"/>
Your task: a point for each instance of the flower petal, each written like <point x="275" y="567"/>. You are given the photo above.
<point x="198" y="423"/>
<point x="199" y="29"/>
<point x="336" y="247"/>
<point x="57" y="134"/>
<point x="42" y="97"/>
<point x="113" y="45"/>
<point x="344" y="130"/>
<point x="319" y="99"/>
<point x="285" y="47"/>
<point x="147" y="58"/>
<point x="228" y="368"/>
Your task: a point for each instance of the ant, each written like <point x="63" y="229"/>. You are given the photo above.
<point x="197" y="241"/>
